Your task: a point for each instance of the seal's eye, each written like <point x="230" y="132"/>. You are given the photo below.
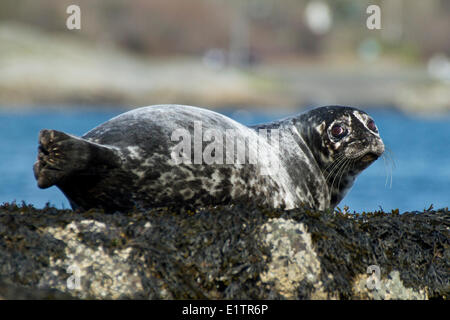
<point x="338" y="131"/>
<point x="371" y="125"/>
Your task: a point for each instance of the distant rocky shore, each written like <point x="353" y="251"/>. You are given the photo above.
<point x="225" y="252"/>
<point x="39" y="68"/>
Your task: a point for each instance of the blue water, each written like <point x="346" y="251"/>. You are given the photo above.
<point x="420" y="148"/>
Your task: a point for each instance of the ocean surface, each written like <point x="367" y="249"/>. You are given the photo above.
<point x="414" y="174"/>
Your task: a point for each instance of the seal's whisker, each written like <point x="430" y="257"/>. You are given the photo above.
<point x="344" y="168"/>
<point x="337" y="173"/>
<point x="388" y="152"/>
<point x="333" y="171"/>
<point x="388" y="162"/>
<point x="337" y="163"/>
<point x="336" y="166"/>
<point x="333" y="162"/>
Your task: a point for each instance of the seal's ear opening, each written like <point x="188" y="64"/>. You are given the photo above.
<point x="61" y="155"/>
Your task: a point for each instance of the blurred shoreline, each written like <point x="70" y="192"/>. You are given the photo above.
<point x="41" y="68"/>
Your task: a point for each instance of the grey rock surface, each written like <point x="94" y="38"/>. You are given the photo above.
<point x="222" y="253"/>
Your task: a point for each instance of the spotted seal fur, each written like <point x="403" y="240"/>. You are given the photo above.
<point x="133" y="160"/>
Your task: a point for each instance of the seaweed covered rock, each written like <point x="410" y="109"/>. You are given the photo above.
<point x="224" y="252"/>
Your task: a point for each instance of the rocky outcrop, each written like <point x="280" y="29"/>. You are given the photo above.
<point x="222" y="253"/>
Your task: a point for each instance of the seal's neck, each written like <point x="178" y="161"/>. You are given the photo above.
<point x="339" y="183"/>
<point x="299" y="161"/>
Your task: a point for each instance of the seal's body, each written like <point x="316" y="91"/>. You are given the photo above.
<point x="172" y="155"/>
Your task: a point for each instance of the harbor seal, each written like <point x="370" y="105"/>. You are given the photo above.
<point x="174" y="155"/>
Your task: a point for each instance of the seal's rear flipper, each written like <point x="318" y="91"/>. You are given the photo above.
<point x="61" y="155"/>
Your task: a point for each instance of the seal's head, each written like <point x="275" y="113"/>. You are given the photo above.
<point x="344" y="141"/>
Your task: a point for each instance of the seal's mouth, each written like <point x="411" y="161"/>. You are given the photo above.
<point x="369" y="157"/>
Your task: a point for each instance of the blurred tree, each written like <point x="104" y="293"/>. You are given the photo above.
<point x="247" y="28"/>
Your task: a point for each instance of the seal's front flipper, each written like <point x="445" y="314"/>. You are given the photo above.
<point x="61" y="155"/>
